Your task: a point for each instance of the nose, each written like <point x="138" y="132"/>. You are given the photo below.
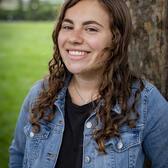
<point x="76" y="37"/>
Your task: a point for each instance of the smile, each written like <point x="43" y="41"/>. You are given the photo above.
<point x="77" y="52"/>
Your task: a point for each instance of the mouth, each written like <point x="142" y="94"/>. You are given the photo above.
<point x="77" y="54"/>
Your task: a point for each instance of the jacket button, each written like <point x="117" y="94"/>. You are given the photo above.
<point x="87" y="159"/>
<point x="61" y="122"/>
<point x="31" y="134"/>
<point x="88" y="125"/>
<point x="120" y="144"/>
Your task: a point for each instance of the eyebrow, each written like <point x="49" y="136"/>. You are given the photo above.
<point x="84" y="23"/>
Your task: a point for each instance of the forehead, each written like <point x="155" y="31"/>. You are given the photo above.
<point x="86" y="10"/>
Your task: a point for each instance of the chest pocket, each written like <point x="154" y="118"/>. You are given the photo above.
<point x="35" y="142"/>
<point x="129" y="137"/>
<point x="43" y="134"/>
<point x="121" y="152"/>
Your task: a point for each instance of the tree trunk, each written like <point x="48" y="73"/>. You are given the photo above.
<point x="149" y="44"/>
<point x="166" y="53"/>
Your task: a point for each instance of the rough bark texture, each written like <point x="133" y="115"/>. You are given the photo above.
<point x="166" y="55"/>
<point x="149" y="44"/>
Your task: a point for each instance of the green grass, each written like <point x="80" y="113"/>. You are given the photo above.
<point x="25" y="49"/>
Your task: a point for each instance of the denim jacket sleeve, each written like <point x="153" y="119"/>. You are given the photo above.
<point x="155" y="140"/>
<point x="17" y="147"/>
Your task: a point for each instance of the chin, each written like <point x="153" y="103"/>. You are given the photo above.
<point x="74" y="70"/>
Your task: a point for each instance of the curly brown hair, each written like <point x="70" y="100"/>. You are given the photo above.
<point x="116" y="83"/>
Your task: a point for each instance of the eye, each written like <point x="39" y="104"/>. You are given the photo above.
<point x="66" y="27"/>
<point x="91" y="29"/>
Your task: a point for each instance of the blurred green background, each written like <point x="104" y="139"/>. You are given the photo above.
<point x="25" y="49"/>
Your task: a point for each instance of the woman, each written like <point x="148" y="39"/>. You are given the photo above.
<point x="91" y="111"/>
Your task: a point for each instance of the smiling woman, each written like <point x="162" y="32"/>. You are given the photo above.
<point x="81" y="41"/>
<point x="91" y="110"/>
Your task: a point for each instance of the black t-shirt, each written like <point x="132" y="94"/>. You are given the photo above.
<point x="70" y="155"/>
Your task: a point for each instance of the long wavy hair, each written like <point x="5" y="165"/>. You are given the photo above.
<point x="116" y="83"/>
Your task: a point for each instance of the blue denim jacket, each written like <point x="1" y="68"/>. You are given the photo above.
<point x="150" y="137"/>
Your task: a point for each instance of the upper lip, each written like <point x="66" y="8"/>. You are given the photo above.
<point x="80" y="50"/>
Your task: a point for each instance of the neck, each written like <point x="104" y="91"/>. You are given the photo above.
<point x="84" y="89"/>
<point x="85" y="84"/>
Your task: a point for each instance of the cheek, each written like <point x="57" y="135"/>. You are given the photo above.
<point x="95" y="44"/>
<point x="98" y="44"/>
<point x="61" y="40"/>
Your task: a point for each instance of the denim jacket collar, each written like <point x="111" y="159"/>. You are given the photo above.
<point x="116" y="108"/>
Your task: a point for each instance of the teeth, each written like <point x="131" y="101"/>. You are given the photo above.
<point x="77" y="53"/>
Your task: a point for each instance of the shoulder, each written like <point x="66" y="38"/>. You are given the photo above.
<point x="151" y="104"/>
<point x="36" y="88"/>
<point x="151" y="94"/>
<point x="154" y="113"/>
<point x="153" y="107"/>
<point x="152" y="98"/>
<point x="33" y="93"/>
<point x="29" y="101"/>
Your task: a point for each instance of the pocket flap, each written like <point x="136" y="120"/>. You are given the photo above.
<point x="128" y="138"/>
<point x="42" y="134"/>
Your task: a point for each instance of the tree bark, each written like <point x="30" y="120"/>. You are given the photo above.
<point x="149" y="44"/>
<point x="166" y="53"/>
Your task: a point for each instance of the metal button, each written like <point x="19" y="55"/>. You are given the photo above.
<point x="31" y="134"/>
<point x="88" y="125"/>
<point x="87" y="159"/>
<point x="61" y="122"/>
<point x="120" y="144"/>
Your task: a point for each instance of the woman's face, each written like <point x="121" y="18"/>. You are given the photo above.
<point x="85" y="32"/>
